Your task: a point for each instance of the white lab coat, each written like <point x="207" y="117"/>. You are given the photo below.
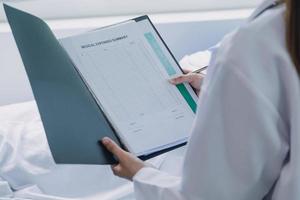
<point x="245" y="141"/>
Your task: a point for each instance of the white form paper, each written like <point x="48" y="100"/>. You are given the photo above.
<point x="127" y="69"/>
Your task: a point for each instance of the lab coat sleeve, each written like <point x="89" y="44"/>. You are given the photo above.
<point x="150" y="183"/>
<point x="196" y="60"/>
<point x="239" y="140"/>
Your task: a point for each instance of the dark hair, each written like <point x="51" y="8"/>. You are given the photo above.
<point x="293" y="31"/>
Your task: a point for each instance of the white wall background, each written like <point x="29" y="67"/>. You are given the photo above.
<point x="53" y="9"/>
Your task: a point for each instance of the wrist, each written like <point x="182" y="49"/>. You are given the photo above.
<point x="141" y="167"/>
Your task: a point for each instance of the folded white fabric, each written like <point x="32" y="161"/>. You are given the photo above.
<point x="23" y="147"/>
<point x="27" y="166"/>
<point x="27" y="169"/>
<point x="5" y="190"/>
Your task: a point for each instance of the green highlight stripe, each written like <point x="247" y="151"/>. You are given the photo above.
<point x="170" y="70"/>
<point x="187" y="96"/>
<point x="160" y="54"/>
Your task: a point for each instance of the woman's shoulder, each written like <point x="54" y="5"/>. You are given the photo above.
<point x="268" y="28"/>
<point x="256" y="53"/>
<point x="257" y="45"/>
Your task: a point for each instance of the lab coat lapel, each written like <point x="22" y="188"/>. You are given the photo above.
<point x="264" y="5"/>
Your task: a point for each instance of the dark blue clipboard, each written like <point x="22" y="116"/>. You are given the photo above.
<point x="72" y="119"/>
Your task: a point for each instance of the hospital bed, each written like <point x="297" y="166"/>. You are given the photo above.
<point x="27" y="169"/>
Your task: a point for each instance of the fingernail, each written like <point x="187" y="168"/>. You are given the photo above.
<point x="171" y="81"/>
<point x="105" y="140"/>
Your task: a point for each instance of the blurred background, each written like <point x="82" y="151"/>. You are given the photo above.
<point x="61" y="9"/>
<point x="186" y="26"/>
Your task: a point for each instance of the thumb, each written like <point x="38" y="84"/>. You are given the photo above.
<point x="182" y="79"/>
<point x="112" y="147"/>
<point x="116" y="169"/>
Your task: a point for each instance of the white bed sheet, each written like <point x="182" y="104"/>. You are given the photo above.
<point x="27" y="170"/>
